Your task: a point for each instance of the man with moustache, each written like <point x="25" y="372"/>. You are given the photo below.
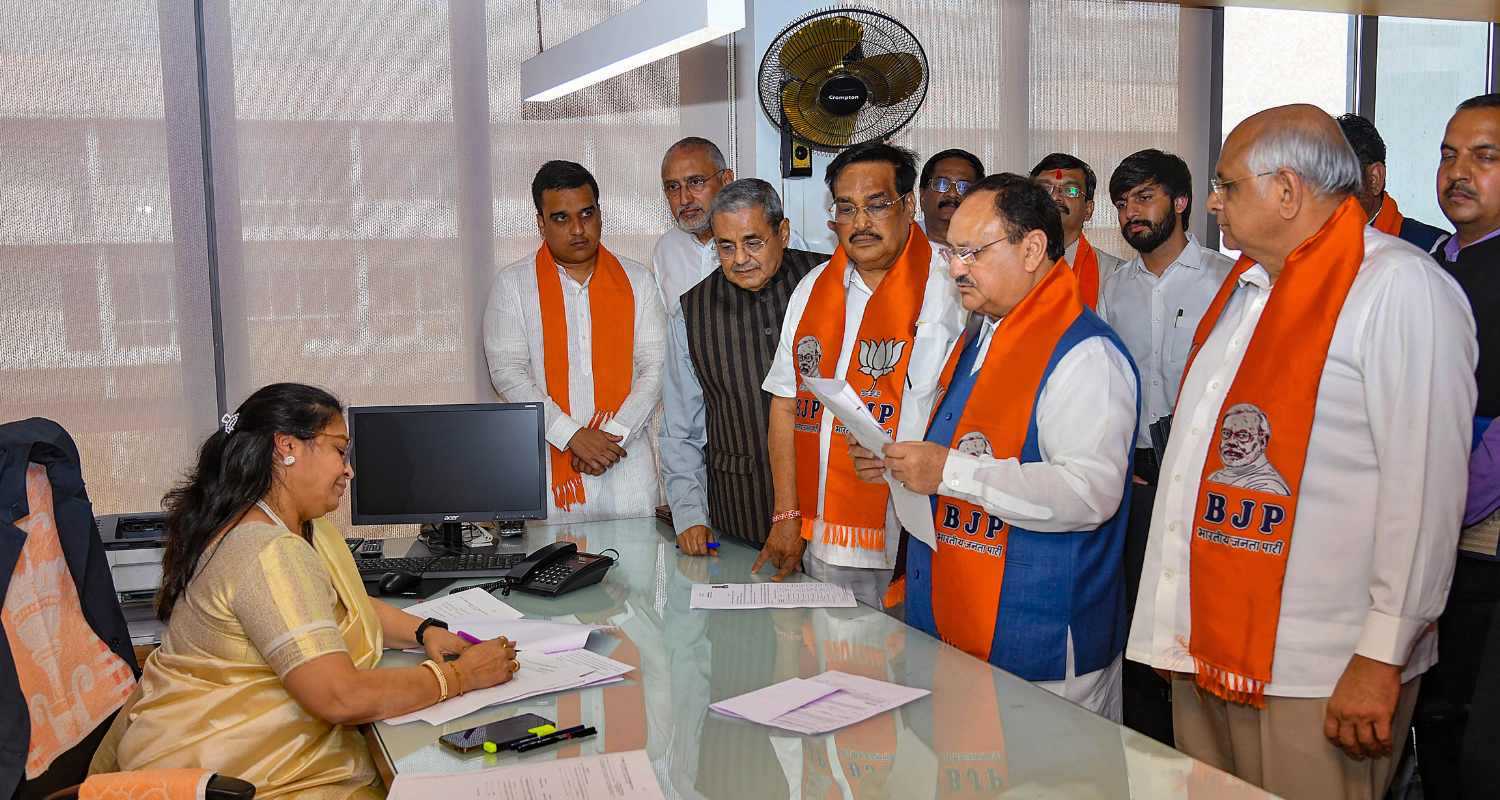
<point x="1028" y="461"/>
<point x="714" y="459"/>
<point x="692" y="172"/>
<point x="1071" y="183"/>
<point x="1304" y="531"/>
<point x="1154" y="302"/>
<point x="1460" y="707"/>
<point x="880" y="314"/>
<point x="1379" y="206"/>
<point x="945" y="178"/>
<point x="581" y="331"/>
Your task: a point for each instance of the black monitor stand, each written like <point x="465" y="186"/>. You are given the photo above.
<point x="447" y="537"/>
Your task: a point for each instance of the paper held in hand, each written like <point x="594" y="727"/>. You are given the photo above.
<point x="839" y="398"/>
<point x="819" y="704"/>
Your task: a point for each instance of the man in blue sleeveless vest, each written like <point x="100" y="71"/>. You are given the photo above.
<point x="1027" y="459"/>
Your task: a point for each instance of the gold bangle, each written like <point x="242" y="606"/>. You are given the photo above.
<point x="458" y="679"/>
<point x="442" y="680"/>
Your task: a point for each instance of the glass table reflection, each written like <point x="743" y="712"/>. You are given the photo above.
<point x="981" y="733"/>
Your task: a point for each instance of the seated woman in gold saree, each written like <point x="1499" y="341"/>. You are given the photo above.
<point x="267" y="661"/>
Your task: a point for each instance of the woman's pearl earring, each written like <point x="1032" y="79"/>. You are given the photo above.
<point x="289" y="460"/>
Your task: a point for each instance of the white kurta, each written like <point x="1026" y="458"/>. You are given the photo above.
<point x="513" y="347"/>
<point x="1382" y="488"/>
<point x="939" y="323"/>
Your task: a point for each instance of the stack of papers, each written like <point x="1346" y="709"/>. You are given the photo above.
<point x="539" y="674"/>
<point x="818" y="705"/>
<point x="803" y="594"/>
<point x="612" y="776"/>
<point x="468" y="604"/>
<point x="541" y="635"/>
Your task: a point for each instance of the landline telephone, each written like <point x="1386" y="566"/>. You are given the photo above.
<point x="556" y="569"/>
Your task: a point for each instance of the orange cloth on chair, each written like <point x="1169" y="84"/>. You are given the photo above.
<point x="71" y="680"/>
<point x="147" y="784"/>
<point x="1247" y="501"/>
<point x="612" y="315"/>
<point x="854" y="510"/>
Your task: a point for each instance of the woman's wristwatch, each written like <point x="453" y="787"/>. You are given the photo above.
<point x="425" y="624"/>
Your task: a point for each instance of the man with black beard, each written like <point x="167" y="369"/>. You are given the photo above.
<point x="1154" y="303"/>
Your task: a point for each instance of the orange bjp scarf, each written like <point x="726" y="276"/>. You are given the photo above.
<point x="853" y="510"/>
<point x="972" y="564"/>
<point x="1247" y="497"/>
<point x="1388" y="219"/>
<point x="1086" y="269"/>
<point x="612" y="317"/>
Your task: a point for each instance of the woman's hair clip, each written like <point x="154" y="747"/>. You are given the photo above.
<point x="229" y="421"/>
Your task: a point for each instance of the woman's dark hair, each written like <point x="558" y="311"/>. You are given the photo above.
<point x="233" y="471"/>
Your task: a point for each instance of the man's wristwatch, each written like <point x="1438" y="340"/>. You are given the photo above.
<point x="426" y="623"/>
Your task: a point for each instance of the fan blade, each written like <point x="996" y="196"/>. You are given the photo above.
<point x="808" y="119"/>
<point x="818" y="45"/>
<point x="891" y="77"/>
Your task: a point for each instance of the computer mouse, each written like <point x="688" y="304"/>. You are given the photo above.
<point x="399" y="582"/>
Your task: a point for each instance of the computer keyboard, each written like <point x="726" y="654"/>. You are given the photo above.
<point x="466" y="565"/>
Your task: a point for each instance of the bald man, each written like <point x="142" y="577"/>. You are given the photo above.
<point x="1294" y="616"/>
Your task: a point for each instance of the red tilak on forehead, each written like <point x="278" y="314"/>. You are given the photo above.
<point x="1056" y="174"/>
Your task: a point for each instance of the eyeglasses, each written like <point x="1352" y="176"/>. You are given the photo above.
<point x="1067" y="190"/>
<point x="942" y="185"/>
<point x="966" y="255"/>
<point x="348" y="445"/>
<point x="694" y="183"/>
<point x="727" y="250"/>
<point x="844" y="213"/>
<point x="1217" y="186"/>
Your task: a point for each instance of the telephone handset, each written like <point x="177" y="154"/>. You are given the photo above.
<point x="557" y="569"/>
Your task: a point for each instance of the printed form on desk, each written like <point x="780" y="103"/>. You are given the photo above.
<point x="467" y="604"/>
<point x="802" y="594"/>
<point x="819" y="704"/>
<point x="611" y="776"/>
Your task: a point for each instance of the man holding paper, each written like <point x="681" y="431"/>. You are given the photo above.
<point x="1027" y="459"/>
<point x="879" y="315"/>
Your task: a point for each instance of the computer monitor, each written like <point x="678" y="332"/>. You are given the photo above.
<point x="448" y="464"/>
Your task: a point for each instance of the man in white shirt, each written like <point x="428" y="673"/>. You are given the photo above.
<point x="1305" y="618"/>
<point x="1072" y="184"/>
<point x="692" y="173"/>
<point x="1154" y="302"/>
<point x="887" y="289"/>
<point x="600" y="390"/>
<point x="1027" y="459"/>
<point x="944" y="180"/>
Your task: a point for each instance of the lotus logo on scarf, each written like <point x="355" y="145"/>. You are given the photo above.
<point x="878" y="358"/>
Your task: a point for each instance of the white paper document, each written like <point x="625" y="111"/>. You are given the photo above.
<point x="539" y="674"/>
<point x="803" y="594"/>
<point x="469" y="604"/>
<point x="834" y="700"/>
<point x="611" y="776"/>
<point x="838" y="397"/>
<point x="541" y="635"/>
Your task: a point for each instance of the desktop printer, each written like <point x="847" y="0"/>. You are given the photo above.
<point x="133" y="545"/>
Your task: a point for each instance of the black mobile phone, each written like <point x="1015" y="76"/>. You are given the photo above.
<point x="498" y="732"/>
